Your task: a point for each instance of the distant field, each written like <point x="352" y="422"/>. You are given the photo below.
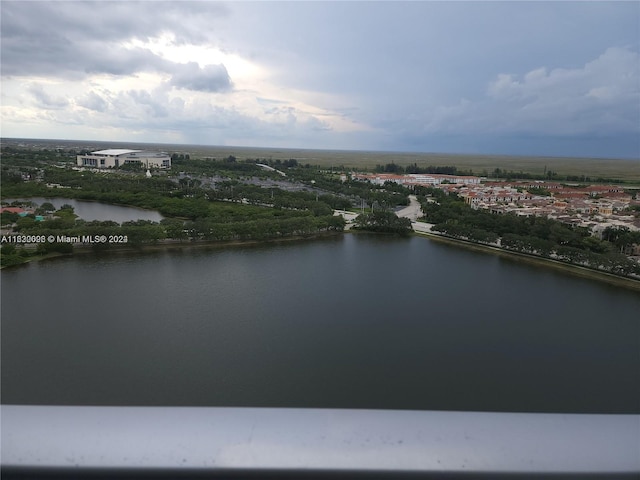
<point x="623" y="169"/>
<point x="363" y="160"/>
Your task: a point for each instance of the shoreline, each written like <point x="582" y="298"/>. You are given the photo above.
<point x="168" y="246"/>
<point x="577" y="270"/>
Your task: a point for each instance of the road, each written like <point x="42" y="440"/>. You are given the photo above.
<point x="413" y="211"/>
<point x="348" y="216"/>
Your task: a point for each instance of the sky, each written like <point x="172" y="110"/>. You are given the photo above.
<point x="519" y="78"/>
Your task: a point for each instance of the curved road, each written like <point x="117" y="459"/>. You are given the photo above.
<point x="413" y="211"/>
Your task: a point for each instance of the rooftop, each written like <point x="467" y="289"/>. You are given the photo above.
<point x="115" y="151"/>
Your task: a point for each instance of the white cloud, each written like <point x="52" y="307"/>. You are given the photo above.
<point x="210" y="78"/>
<point x="353" y="74"/>
<point x="602" y="96"/>
<point x="92" y="101"/>
<point x="45" y="100"/>
<point x="617" y="67"/>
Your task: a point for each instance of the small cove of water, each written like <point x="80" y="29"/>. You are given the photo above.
<point x="96" y="210"/>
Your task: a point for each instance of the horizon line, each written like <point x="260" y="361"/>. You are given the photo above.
<point x="354" y="150"/>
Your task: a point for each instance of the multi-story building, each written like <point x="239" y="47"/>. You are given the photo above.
<point x="116" y="157"/>
<point x="413" y="179"/>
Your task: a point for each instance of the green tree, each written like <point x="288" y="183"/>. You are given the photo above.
<point x="7" y="218"/>
<point x="24" y="223"/>
<point x="174" y="228"/>
<point x="384" y="222"/>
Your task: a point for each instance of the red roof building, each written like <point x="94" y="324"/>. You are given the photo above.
<point x="12" y="210"/>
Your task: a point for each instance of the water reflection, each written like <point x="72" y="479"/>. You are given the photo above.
<point x="352" y="322"/>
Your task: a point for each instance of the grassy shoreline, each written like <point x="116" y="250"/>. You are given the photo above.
<point x="577" y="270"/>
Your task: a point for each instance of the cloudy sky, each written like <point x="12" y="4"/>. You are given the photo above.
<point x="542" y="78"/>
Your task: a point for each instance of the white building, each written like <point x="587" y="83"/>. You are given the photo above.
<point x="116" y="157"/>
<point x="416" y="179"/>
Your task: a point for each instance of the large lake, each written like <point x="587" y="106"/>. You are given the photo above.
<point x="353" y="321"/>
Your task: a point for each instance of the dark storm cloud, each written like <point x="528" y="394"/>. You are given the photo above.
<point x="426" y="67"/>
<point x="447" y="76"/>
<point x="211" y="78"/>
<point x="72" y="39"/>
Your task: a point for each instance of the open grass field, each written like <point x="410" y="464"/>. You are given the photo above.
<point x="622" y="169"/>
<point x="480" y="164"/>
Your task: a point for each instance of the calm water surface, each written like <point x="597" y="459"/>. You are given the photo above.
<point x="98" y="211"/>
<point x="351" y="322"/>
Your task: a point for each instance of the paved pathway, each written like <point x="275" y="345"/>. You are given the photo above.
<point x="413" y="211"/>
<point x="422" y="227"/>
<point x="348" y="216"/>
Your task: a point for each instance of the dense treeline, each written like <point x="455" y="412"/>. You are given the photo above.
<point x="160" y="192"/>
<point x="199" y="207"/>
<point x="548" y="175"/>
<point x="383" y="221"/>
<point x="229" y="210"/>
<point x="279" y="164"/>
<point x="320" y="204"/>
<point x="414" y="168"/>
<point x="497" y="173"/>
<point x="223" y="222"/>
<point x="123" y="186"/>
<point x="389" y="195"/>
<point x="208" y="228"/>
<point x="186" y="198"/>
<point x="209" y="166"/>
<point x="234" y="225"/>
<point x="31" y="157"/>
<point x="533" y="235"/>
